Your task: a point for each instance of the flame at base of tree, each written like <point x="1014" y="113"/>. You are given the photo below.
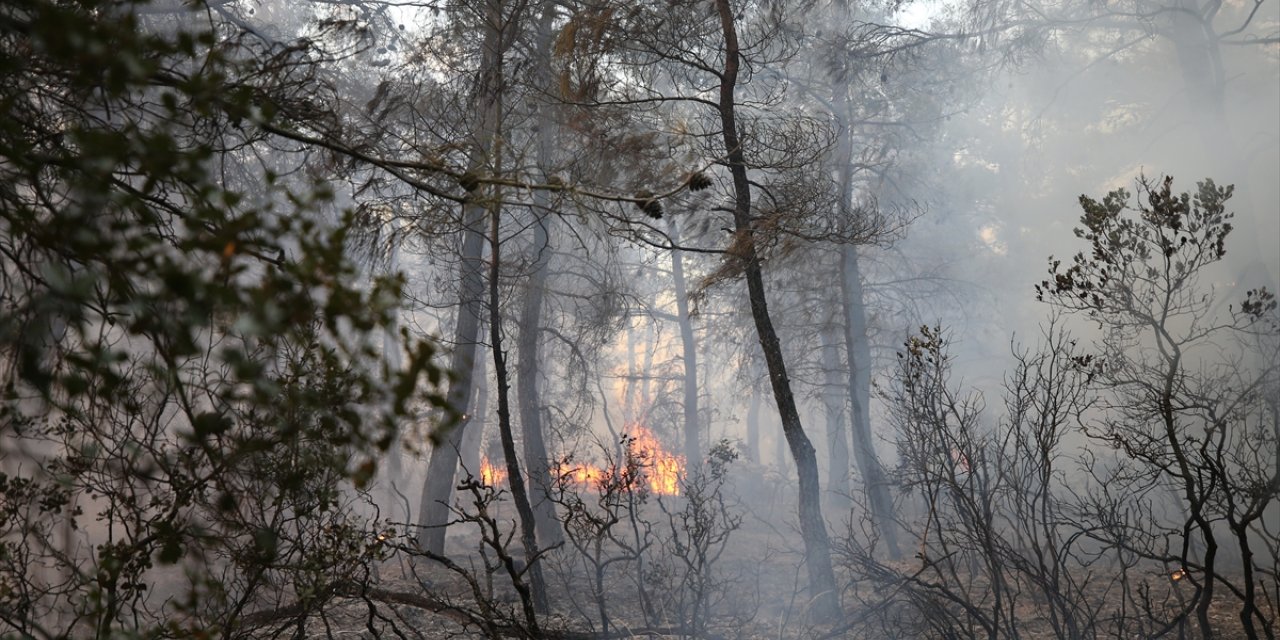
<point x="649" y="466"/>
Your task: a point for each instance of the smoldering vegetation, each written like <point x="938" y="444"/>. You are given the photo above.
<point x="596" y="319"/>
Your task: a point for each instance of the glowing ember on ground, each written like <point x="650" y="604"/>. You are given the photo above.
<point x="491" y="475"/>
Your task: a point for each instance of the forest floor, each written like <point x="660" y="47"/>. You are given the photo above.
<point x="755" y="589"/>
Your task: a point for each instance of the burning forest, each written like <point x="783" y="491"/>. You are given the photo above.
<point x="596" y="320"/>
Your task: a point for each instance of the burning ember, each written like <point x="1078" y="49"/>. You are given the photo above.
<point x="659" y="470"/>
<point x="490" y="474"/>
<point x="1178" y="575"/>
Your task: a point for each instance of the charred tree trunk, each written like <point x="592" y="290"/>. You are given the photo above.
<point x="528" y="527"/>
<point x="629" y="394"/>
<point x="692" y="446"/>
<point x="813" y="528"/>
<point x="1199" y="55"/>
<point x="858" y="348"/>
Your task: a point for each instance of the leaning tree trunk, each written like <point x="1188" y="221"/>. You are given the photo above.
<point x="442" y="467"/>
<point x="391" y="353"/>
<point x="689" y="349"/>
<point x="813" y="528"/>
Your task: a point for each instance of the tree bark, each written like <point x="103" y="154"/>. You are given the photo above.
<point x="527" y="394"/>
<point x="834" y="393"/>
<point x="442" y="467"/>
<point x="753" y="425"/>
<point x="394" y="475"/>
<point x="858" y="352"/>
<point x="857" y="347"/>
<point x="528" y="527"/>
<point x="528" y="351"/>
<point x="813" y="528"/>
<point x="692" y="436"/>
<point x="474" y="436"/>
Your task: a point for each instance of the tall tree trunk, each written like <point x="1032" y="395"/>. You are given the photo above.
<point x="753" y="425"/>
<point x="528" y="356"/>
<point x="527" y="395"/>
<point x="692" y="445"/>
<point x="394" y="475"/>
<point x="857" y="347"/>
<point x="442" y="467"/>
<point x="474" y="436"/>
<point x="629" y="391"/>
<point x="813" y="528"/>
<point x="528" y="527"/>
<point x="858" y="352"/>
<point x="437" y="489"/>
<point x="645" y="406"/>
<point x="834" y="393"/>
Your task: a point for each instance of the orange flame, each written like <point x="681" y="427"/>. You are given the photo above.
<point x="491" y="475"/>
<point x="660" y="470"/>
<point x="663" y="470"/>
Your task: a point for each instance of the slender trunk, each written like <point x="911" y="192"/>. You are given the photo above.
<point x="437" y="490"/>
<point x="528" y="528"/>
<point x="646" y="368"/>
<point x="442" y="467"/>
<point x="858" y="348"/>
<point x="629" y="392"/>
<point x="782" y="458"/>
<point x="753" y="425"/>
<point x="692" y="446"/>
<point x="527" y="395"/>
<point x="813" y="528"/>
<point x="528" y="347"/>
<point x="474" y="436"/>
<point x="394" y="475"/>
<point x="858" y="352"/>
<point x="834" y="392"/>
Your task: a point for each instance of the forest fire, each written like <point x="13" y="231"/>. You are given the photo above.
<point x="657" y="469"/>
<point x="490" y="474"/>
<point x="662" y="470"/>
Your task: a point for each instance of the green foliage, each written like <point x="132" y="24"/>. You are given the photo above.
<point x="1153" y="253"/>
<point x="188" y="357"/>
